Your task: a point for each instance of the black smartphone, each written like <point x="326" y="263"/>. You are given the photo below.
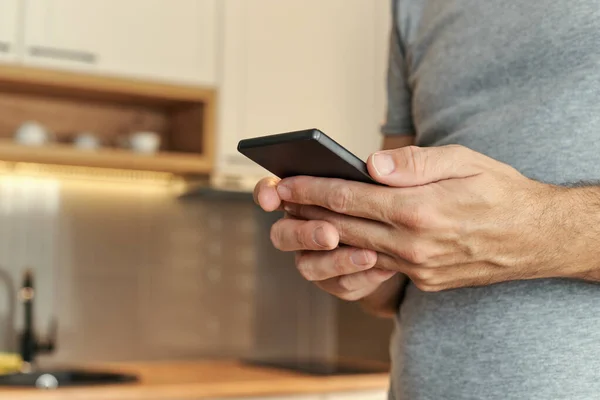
<point x="308" y="152"/>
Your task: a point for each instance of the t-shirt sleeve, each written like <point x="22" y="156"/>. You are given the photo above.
<point x="398" y="116"/>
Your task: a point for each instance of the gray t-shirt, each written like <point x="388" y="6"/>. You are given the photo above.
<point x="518" y="80"/>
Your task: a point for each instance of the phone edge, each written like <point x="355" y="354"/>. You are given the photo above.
<point x="345" y="154"/>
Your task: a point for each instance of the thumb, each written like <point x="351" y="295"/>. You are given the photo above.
<point x="415" y="166"/>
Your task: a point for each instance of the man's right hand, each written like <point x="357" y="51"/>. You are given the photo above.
<point x="346" y="272"/>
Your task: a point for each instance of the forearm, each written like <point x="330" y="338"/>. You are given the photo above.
<point x="578" y="217"/>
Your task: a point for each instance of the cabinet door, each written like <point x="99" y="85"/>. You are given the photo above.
<point x="359" y="395"/>
<point x="154" y="39"/>
<point x="296" y="65"/>
<point x="9" y="18"/>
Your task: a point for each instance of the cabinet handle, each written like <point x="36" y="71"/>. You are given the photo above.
<point x="63" y="54"/>
<point x="4" y="47"/>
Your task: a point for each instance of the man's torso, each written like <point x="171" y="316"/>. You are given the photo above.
<point x="519" y="81"/>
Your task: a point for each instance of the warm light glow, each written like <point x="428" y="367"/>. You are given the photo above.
<point x="108" y="175"/>
<point x="25" y="194"/>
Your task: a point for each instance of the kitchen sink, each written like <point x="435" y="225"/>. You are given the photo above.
<point x="51" y="379"/>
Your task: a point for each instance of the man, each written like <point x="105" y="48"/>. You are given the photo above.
<point x="485" y="245"/>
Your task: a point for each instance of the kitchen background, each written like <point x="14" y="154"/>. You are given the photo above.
<point x="163" y="255"/>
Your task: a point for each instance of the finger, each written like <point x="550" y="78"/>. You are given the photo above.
<point x="373" y="276"/>
<point x="393" y="263"/>
<point x="357" y="232"/>
<point x="463" y="275"/>
<point x="415" y="166"/>
<point x="322" y="265"/>
<point x="426" y="278"/>
<point x="265" y="194"/>
<point x="339" y="292"/>
<point x="356" y="286"/>
<point x="291" y="235"/>
<point x="343" y="197"/>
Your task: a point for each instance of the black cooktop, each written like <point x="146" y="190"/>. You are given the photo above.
<point x="324" y="367"/>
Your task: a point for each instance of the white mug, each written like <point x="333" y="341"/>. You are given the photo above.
<point x="32" y="133"/>
<point x="87" y="141"/>
<point x="144" y="142"/>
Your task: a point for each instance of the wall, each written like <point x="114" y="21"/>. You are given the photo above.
<point x="295" y="320"/>
<point x="369" y="339"/>
<point x="129" y="271"/>
<point x="132" y="273"/>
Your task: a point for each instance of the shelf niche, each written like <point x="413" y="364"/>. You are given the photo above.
<point x="68" y="103"/>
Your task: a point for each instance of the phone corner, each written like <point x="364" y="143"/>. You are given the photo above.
<point x="316" y="134"/>
<point x="240" y="146"/>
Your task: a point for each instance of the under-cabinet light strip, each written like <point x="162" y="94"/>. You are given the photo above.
<point x="89" y="173"/>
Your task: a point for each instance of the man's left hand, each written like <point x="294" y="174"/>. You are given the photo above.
<point x="448" y="217"/>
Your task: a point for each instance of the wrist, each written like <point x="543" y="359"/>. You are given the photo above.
<point x="385" y="300"/>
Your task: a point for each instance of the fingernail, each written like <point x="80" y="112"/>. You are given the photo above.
<point x="319" y="237"/>
<point x="284" y="192"/>
<point x="383" y="163"/>
<point x="360" y="257"/>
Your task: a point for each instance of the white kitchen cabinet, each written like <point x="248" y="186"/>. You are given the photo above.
<point x="359" y="395"/>
<point x="153" y="39"/>
<point x="9" y="28"/>
<point x="296" y="65"/>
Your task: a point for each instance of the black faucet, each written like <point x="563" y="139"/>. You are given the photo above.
<point x="29" y="345"/>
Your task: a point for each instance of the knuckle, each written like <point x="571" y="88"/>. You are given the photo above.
<point x="339" y="264"/>
<point x="350" y="296"/>
<point x="323" y="214"/>
<point x="304" y="267"/>
<point x="347" y="283"/>
<point x="415" y="160"/>
<point x="416" y="254"/>
<point x="416" y="217"/>
<point x="304" y="190"/>
<point x="425" y="279"/>
<point x="299" y="236"/>
<point x="374" y="277"/>
<point x="427" y="287"/>
<point x="339" y="225"/>
<point x="275" y="235"/>
<point x="340" y="199"/>
<point x="423" y="275"/>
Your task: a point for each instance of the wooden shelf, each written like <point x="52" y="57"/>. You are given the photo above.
<point x="69" y="102"/>
<point x="176" y="163"/>
<point x="91" y="86"/>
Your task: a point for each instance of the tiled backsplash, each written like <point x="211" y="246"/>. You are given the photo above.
<point x="133" y="273"/>
<point x="130" y="272"/>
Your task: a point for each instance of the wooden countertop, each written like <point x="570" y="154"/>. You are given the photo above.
<point x="205" y="379"/>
